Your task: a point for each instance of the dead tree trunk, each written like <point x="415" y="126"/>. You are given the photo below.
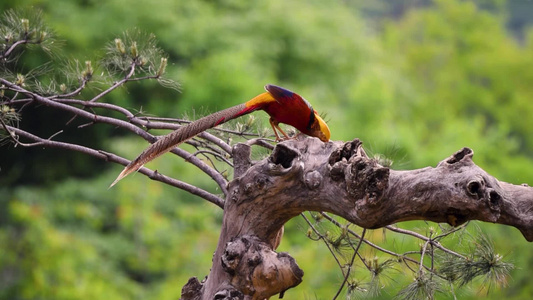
<point x="305" y="174"/>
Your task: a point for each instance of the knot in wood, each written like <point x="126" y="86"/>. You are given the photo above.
<point x="229" y="293"/>
<point x="313" y="179"/>
<point x="366" y="179"/>
<point x="459" y="158"/>
<point x="239" y="249"/>
<point x="253" y="186"/>
<point x="494" y="202"/>
<point x="256" y="270"/>
<point x="336" y="172"/>
<point x="339" y="159"/>
<point x="475" y="188"/>
<point x="277" y="170"/>
<point x="481" y="190"/>
<point x="347" y="151"/>
<point x="192" y="289"/>
<point x="248" y="188"/>
<point x="235" y="195"/>
<point x="233" y="254"/>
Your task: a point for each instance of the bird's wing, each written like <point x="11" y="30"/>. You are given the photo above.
<point x="296" y="111"/>
<point x="288" y="98"/>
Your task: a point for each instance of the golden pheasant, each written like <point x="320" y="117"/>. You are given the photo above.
<point x="282" y="105"/>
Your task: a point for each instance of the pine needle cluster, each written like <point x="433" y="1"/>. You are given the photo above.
<point x="435" y="269"/>
<point x="482" y="262"/>
<point x="24" y="26"/>
<point x="136" y="52"/>
<point x="424" y="286"/>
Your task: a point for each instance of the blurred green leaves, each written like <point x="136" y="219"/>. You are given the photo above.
<point x="416" y="85"/>
<point x="73" y="242"/>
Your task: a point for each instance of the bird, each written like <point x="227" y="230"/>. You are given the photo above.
<point x="282" y="105"/>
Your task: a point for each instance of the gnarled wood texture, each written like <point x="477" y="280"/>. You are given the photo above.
<point x="305" y="174"/>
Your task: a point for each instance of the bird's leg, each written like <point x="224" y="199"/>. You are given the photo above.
<point x="275" y="127"/>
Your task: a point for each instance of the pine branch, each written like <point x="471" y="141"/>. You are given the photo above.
<point x="63" y="104"/>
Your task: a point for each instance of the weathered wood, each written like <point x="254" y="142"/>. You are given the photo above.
<point x="305" y="174"/>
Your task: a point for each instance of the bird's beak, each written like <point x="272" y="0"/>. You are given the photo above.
<point x="323" y="133"/>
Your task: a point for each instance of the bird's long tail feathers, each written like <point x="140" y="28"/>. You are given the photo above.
<point x="178" y="136"/>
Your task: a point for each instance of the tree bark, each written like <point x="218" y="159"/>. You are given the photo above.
<point x="304" y="174"/>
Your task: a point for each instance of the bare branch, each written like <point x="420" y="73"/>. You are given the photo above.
<point x="432" y="241"/>
<point x="260" y="142"/>
<point x="321" y="237"/>
<point x="116" y="84"/>
<point x="214" y="154"/>
<point x="15" y="45"/>
<point x="422" y="254"/>
<point x="38" y="141"/>
<point x="75" y="92"/>
<point x="403" y="256"/>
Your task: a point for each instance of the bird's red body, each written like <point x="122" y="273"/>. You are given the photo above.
<point x="282" y="105"/>
<point x="291" y="109"/>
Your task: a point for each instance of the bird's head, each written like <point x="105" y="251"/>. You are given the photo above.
<point x="319" y="129"/>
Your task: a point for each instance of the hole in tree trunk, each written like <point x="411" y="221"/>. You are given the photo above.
<point x="283" y="155"/>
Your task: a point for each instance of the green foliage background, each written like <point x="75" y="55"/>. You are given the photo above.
<point x="415" y="80"/>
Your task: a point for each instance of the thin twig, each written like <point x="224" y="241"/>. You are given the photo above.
<point x="14" y="96"/>
<point x="116" y="84"/>
<point x="432" y="249"/>
<point x="14" y="45"/>
<point x="425" y="238"/>
<point x="199" y="143"/>
<point x="143" y="78"/>
<point x="77" y="91"/>
<point x="400" y="256"/>
<point x="11" y="134"/>
<point x="356" y="251"/>
<point x="321" y="237"/>
<point x="422" y="254"/>
<point x="120" y="160"/>
<point x="214" y="154"/>
<point x="260" y="142"/>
